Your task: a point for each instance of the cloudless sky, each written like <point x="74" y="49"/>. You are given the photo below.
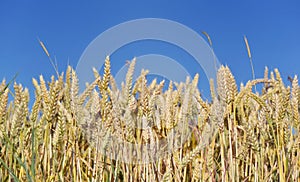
<point x="67" y="28"/>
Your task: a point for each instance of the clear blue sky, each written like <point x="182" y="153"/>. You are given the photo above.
<point x="67" y="28"/>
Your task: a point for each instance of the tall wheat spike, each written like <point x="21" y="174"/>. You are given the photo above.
<point x="295" y="101"/>
<point x="250" y="57"/>
<point x="129" y="75"/>
<point x="3" y="107"/>
<point x="227" y="88"/>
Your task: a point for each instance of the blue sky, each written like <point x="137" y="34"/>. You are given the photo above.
<point x="67" y="28"/>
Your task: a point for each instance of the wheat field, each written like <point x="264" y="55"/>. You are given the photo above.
<point x="252" y="136"/>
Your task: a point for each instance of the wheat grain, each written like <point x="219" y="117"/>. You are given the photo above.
<point x="65" y="136"/>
